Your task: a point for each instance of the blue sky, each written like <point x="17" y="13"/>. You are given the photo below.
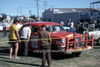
<point x="12" y="7"/>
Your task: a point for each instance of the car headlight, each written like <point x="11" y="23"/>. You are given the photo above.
<point x="63" y="40"/>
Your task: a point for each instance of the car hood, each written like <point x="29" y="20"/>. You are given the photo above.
<point x="63" y="34"/>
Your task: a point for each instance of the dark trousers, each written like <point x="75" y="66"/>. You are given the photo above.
<point x="46" y="54"/>
<point x="4" y="31"/>
<point x="24" y="46"/>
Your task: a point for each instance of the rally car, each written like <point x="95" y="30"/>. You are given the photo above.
<point x="62" y="41"/>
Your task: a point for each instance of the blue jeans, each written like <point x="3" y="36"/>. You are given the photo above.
<point x="4" y="31"/>
<point x="72" y="29"/>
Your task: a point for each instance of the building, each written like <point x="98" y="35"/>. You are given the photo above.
<point x="75" y="14"/>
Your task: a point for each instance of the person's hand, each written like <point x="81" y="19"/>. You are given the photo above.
<point x="19" y="41"/>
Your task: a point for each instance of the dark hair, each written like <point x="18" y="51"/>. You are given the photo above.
<point x="30" y="25"/>
<point x="15" y="20"/>
<point x="42" y="26"/>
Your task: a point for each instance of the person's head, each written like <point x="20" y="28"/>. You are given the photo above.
<point x="20" y="21"/>
<point x="69" y="20"/>
<point x="30" y="26"/>
<point x="43" y="27"/>
<point x="15" y="21"/>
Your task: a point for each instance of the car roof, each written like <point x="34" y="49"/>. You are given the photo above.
<point x="42" y="23"/>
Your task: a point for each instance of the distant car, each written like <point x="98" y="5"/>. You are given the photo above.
<point x="96" y="33"/>
<point x="62" y="41"/>
<point x="66" y="28"/>
<point x="7" y="28"/>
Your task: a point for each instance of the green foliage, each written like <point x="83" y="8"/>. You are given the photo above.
<point x="33" y="17"/>
<point x="3" y="17"/>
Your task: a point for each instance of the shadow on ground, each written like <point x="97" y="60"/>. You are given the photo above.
<point x="96" y="47"/>
<point x="14" y="62"/>
<point x="55" y="56"/>
<point x="4" y="50"/>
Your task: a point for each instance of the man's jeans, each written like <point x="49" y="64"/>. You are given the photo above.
<point x="24" y="45"/>
<point x="72" y="29"/>
<point x="4" y="31"/>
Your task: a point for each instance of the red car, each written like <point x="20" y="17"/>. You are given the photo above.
<point x="62" y="41"/>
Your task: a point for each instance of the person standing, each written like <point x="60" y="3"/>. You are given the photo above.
<point x="25" y="36"/>
<point x="4" y="24"/>
<point x="61" y="22"/>
<point x="19" y="25"/>
<point x="14" y="39"/>
<point x="45" y="46"/>
<point x="72" y="27"/>
<point x="69" y="22"/>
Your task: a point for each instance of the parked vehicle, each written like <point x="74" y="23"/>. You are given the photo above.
<point x="7" y="27"/>
<point x="62" y="41"/>
<point x="92" y="28"/>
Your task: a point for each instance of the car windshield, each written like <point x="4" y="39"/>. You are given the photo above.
<point x="55" y="28"/>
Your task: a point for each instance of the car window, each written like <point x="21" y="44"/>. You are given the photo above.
<point x="56" y="28"/>
<point x="35" y="29"/>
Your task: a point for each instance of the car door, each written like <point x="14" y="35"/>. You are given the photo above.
<point x="34" y="43"/>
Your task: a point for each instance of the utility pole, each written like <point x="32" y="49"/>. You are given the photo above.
<point x="52" y="12"/>
<point x="20" y="10"/>
<point x="37" y="5"/>
<point x="17" y="11"/>
<point x="45" y="4"/>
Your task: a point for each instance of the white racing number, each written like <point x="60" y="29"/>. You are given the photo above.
<point x="34" y="43"/>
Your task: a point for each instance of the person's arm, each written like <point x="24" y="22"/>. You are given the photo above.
<point x="17" y="34"/>
<point x="49" y="39"/>
<point x="29" y="33"/>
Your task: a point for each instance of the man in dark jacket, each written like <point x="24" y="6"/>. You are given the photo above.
<point x="45" y="41"/>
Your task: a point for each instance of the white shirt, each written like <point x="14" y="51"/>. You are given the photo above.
<point x="4" y="24"/>
<point x="19" y="26"/>
<point x="72" y="24"/>
<point x="62" y="23"/>
<point x="69" y="23"/>
<point x="26" y="32"/>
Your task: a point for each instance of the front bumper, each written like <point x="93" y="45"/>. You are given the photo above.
<point x="78" y="49"/>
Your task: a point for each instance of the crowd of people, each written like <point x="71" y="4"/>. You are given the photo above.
<point x="70" y="24"/>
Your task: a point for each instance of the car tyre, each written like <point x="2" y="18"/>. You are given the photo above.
<point x="76" y="54"/>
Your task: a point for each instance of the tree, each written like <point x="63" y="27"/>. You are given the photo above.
<point x="33" y="17"/>
<point x="3" y="16"/>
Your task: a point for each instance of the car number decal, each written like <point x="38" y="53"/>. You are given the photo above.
<point x="34" y="43"/>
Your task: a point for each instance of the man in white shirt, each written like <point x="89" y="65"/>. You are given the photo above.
<point x="19" y="25"/>
<point x="71" y="27"/>
<point x="4" y="24"/>
<point x="25" y="35"/>
<point x="62" y="23"/>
